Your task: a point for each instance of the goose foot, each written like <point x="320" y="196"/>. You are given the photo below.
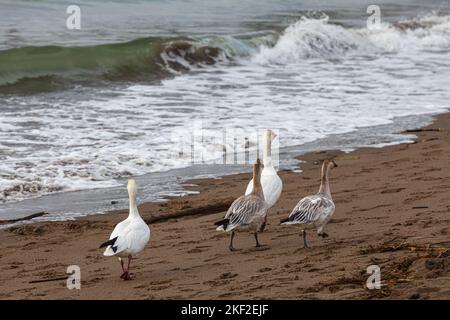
<point x="323" y="235"/>
<point x="262" y="247"/>
<point x="127" y="276"/>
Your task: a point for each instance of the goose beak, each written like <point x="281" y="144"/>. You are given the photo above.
<point x="274" y="135"/>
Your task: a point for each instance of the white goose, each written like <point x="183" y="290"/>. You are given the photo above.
<point x="130" y="236"/>
<point x="314" y="211"/>
<point x="270" y="181"/>
<point x="248" y="212"/>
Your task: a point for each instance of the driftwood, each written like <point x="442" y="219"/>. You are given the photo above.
<point x="49" y="280"/>
<point x="424" y="130"/>
<point x="31" y="216"/>
<point x="208" y="209"/>
<point x="391" y="246"/>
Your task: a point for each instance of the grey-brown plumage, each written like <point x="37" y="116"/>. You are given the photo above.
<point x="248" y="212"/>
<point x="316" y="210"/>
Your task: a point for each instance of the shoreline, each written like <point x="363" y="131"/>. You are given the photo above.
<point x="397" y="220"/>
<point x="163" y="186"/>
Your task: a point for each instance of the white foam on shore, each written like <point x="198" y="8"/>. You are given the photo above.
<point x="318" y="79"/>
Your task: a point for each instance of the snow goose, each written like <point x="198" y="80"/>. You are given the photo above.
<point x="130" y="236"/>
<point x="314" y="211"/>
<point x="248" y="212"/>
<point x="270" y="181"/>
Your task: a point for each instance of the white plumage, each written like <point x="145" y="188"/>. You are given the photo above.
<point x="130" y="236"/>
<point x="270" y="181"/>
<point x="316" y="210"/>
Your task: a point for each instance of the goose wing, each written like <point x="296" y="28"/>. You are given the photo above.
<point x="134" y="239"/>
<point x="271" y="184"/>
<point x="311" y="210"/>
<point x="120" y="227"/>
<point x="272" y="187"/>
<point x="244" y="209"/>
<point x="111" y="244"/>
<point x="131" y="236"/>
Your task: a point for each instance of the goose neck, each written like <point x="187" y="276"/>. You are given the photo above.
<point x="257" y="187"/>
<point x="325" y="183"/>
<point x="133" y="213"/>
<point x="267" y="152"/>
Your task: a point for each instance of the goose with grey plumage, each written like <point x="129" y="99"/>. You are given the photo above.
<point x="248" y="212"/>
<point x="314" y="212"/>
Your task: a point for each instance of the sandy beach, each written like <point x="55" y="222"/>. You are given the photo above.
<point x="392" y="210"/>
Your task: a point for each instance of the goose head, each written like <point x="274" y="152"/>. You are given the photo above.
<point x="329" y="164"/>
<point x="270" y="135"/>
<point x="132" y="187"/>
<point x="333" y="164"/>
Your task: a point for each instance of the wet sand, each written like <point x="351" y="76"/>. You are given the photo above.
<point x="392" y="210"/>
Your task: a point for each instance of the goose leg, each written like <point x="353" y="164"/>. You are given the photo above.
<point x="231" y="242"/>
<point x="127" y="275"/>
<point x="263" y="225"/>
<point x="304" y="239"/>
<point x="256" y="238"/>
<point x="124" y="272"/>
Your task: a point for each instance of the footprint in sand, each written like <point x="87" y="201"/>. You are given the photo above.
<point x="227" y="275"/>
<point x="393" y="190"/>
<point x="217" y="256"/>
<point x="93" y="280"/>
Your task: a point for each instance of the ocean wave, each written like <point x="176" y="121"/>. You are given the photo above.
<point x="40" y="69"/>
<point x="37" y="69"/>
<point x="317" y="38"/>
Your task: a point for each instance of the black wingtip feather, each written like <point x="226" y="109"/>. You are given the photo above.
<point x="223" y="223"/>
<point x="109" y="243"/>
<point x="284" y="220"/>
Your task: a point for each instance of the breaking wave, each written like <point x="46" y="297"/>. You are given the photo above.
<point x="46" y="68"/>
<point x="36" y="69"/>
<point x="317" y="38"/>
